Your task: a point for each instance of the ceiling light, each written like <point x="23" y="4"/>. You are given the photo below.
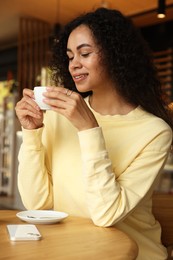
<point x="161" y="9"/>
<point x="104" y="4"/>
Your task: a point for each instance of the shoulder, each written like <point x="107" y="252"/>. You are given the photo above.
<point x="155" y="129"/>
<point x="153" y="121"/>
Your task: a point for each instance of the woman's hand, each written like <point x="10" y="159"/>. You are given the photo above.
<point x="28" y="112"/>
<point x="71" y="105"/>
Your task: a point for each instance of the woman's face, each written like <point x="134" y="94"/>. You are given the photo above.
<point x="84" y="60"/>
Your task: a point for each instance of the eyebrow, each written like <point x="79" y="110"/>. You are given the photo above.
<point x="80" y="46"/>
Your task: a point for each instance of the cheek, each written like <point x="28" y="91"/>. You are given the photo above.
<point x="99" y="71"/>
<point x="97" y="76"/>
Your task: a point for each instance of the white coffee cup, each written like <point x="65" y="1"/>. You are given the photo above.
<point x="38" y="94"/>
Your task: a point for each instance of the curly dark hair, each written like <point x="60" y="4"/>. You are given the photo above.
<point x="124" y="53"/>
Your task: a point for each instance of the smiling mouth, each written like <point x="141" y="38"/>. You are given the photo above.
<point x="80" y="77"/>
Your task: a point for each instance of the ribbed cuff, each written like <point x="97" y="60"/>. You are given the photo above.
<point x="32" y="138"/>
<point x="91" y="142"/>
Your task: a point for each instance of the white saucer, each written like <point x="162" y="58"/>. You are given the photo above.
<point x="42" y="216"/>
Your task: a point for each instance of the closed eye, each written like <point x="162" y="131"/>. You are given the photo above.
<point x="85" y="54"/>
<point x="70" y="58"/>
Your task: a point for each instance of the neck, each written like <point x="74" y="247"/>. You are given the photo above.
<point x="110" y="104"/>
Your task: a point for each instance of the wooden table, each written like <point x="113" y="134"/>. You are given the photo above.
<point x="163" y="211"/>
<point x="74" y="238"/>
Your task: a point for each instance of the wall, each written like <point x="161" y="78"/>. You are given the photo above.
<point x="8" y="62"/>
<point x="160" y="36"/>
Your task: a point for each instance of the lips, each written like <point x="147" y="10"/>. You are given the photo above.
<point x="79" y="77"/>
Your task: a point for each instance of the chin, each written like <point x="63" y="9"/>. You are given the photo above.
<point x="82" y="89"/>
<point x="84" y="92"/>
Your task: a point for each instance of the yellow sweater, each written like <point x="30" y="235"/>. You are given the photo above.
<point x="106" y="173"/>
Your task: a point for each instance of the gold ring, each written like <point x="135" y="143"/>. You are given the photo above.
<point x="69" y="92"/>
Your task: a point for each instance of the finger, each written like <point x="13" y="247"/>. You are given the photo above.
<point x="28" y="113"/>
<point x="28" y="105"/>
<point x="69" y="92"/>
<point x="56" y="95"/>
<point x="58" y="90"/>
<point x="28" y="92"/>
<point x="61" y="100"/>
<point x="30" y="101"/>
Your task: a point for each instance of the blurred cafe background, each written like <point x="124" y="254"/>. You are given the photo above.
<point x="27" y="30"/>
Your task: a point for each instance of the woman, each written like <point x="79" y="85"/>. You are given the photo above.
<point x="99" y="151"/>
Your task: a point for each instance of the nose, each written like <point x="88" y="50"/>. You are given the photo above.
<point x="75" y="63"/>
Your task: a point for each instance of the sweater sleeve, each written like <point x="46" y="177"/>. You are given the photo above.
<point x="110" y="198"/>
<point x="34" y="179"/>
